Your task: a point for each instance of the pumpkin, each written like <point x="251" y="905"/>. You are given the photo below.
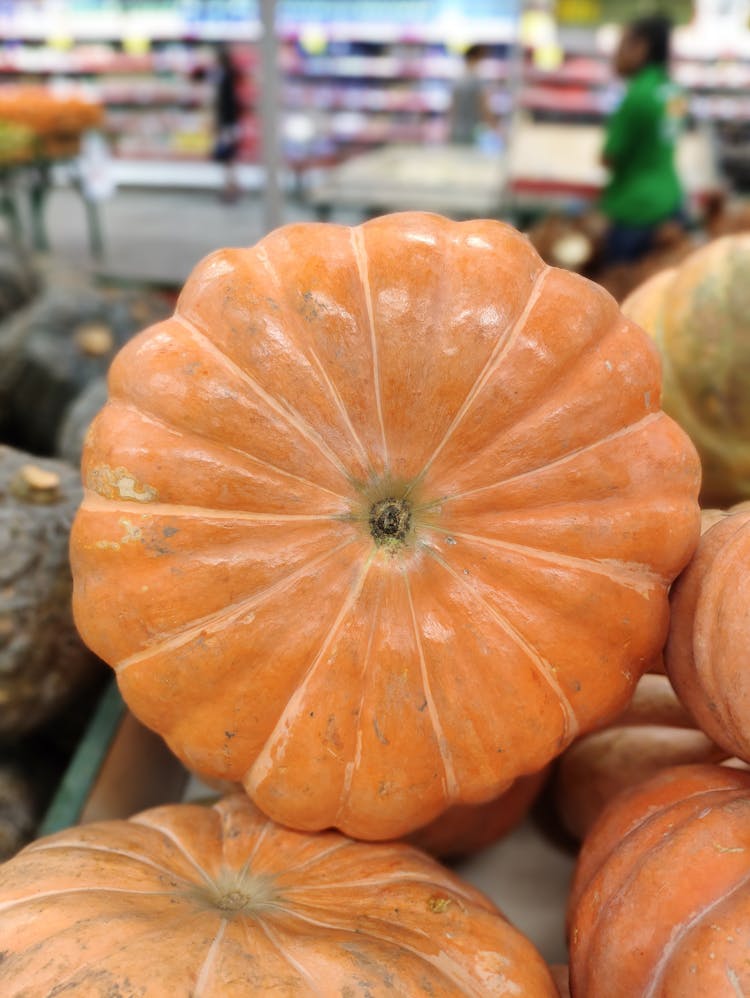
<point x="699" y="316"/>
<point x="43" y="662"/>
<point x="654" y="732"/>
<point x="559" y="973"/>
<point x="382" y="519"/>
<point x="189" y="900"/>
<point x="469" y="828"/>
<point x="660" y="903"/>
<point x="57" y="346"/>
<point x="709" y="634"/>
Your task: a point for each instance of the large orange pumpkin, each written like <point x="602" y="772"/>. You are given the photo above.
<point x="184" y="900"/>
<point x="709" y="634"/>
<point x="381" y="519"/>
<point x="660" y="903"/>
<point x="699" y="316"/>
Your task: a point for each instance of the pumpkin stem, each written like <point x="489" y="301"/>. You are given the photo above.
<point x="390" y="520"/>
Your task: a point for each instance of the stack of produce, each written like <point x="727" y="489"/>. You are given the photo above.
<point x="55" y="120"/>
<point x="378" y="525"/>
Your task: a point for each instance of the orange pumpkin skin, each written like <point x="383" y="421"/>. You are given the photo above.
<point x="381" y="519"/>
<point x="660" y="903"/>
<point x="709" y="638"/>
<point x="655" y="731"/>
<point x="184" y="900"/>
<point x="468" y="828"/>
<point x="698" y="314"/>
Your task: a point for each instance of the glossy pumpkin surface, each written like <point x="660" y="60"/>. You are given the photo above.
<point x="699" y="316"/>
<point x="660" y="904"/>
<point x="709" y="635"/>
<point x="184" y="900"/>
<point x="381" y="518"/>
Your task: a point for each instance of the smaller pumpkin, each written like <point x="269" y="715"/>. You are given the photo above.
<point x="698" y="314"/>
<point x="709" y="634"/>
<point x="54" y="348"/>
<point x="468" y="828"/>
<point x="217" y="901"/>
<point x="655" y="731"/>
<point x="660" y="903"/>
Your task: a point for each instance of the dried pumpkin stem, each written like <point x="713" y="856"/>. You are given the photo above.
<point x="390" y="520"/>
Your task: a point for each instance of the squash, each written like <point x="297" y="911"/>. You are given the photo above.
<point x="709" y="634"/>
<point x="43" y="662"/>
<point x="468" y="828"/>
<point x="660" y="903"/>
<point x="699" y="316"/>
<point x="65" y="339"/>
<point x="189" y="900"/>
<point x="382" y="519"/>
<point x="654" y="732"/>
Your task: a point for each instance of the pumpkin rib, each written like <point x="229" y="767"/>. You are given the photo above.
<point x="502" y="345"/>
<point x="40" y="895"/>
<point x="227" y="614"/>
<point x="351" y="769"/>
<point x="142" y="412"/>
<point x="627" y="579"/>
<point x="60" y="983"/>
<point x="264" y="760"/>
<point x="677" y="939"/>
<point x="562" y="460"/>
<point x="209" y="960"/>
<point x="465" y="983"/>
<point x="356" y="239"/>
<point x="451" y="789"/>
<point x="95" y="502"/>
<point x="542" y="666"/>
<point x="290" y="414"/>
<point x="108" y="850"/>
<point x="175" y="841"/>
<point x="273" y="939"/>
<point x="310" y="352"/>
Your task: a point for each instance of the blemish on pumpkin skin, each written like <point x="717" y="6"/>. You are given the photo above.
<point x="119" y="483"/>
<point x="438" y="905"/>
<point x="379" y="734"/>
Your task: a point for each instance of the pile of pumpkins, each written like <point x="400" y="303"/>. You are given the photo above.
<point x="382" y="523"/>
<point x="58" y="334"/>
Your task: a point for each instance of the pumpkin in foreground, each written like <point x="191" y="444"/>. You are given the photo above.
<point x="660" y="903"/>
<point x="184" y="900"/>
<point x="381" y="519"/>
<point x="708" y="650"/>
<point x="699" y="316"/>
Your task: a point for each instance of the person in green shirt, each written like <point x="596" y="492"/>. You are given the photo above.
<point x="644" y="190"/>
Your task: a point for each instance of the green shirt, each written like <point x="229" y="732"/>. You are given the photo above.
<point x="644" y="188"/>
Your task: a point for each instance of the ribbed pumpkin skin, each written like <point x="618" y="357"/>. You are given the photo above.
<point x="654" y="732"/>
<point x="184" y="901"/>
<point x="699" y="316"/>
<point x="660" y="903"/>
<point x="225" y="558"/>
<point x="709" y="633"/>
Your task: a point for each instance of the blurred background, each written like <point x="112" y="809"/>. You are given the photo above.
<point x="181" y="125"/>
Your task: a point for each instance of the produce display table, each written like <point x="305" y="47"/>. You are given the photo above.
<point x="34" y="177"/>
<point x="545" y="164"/>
